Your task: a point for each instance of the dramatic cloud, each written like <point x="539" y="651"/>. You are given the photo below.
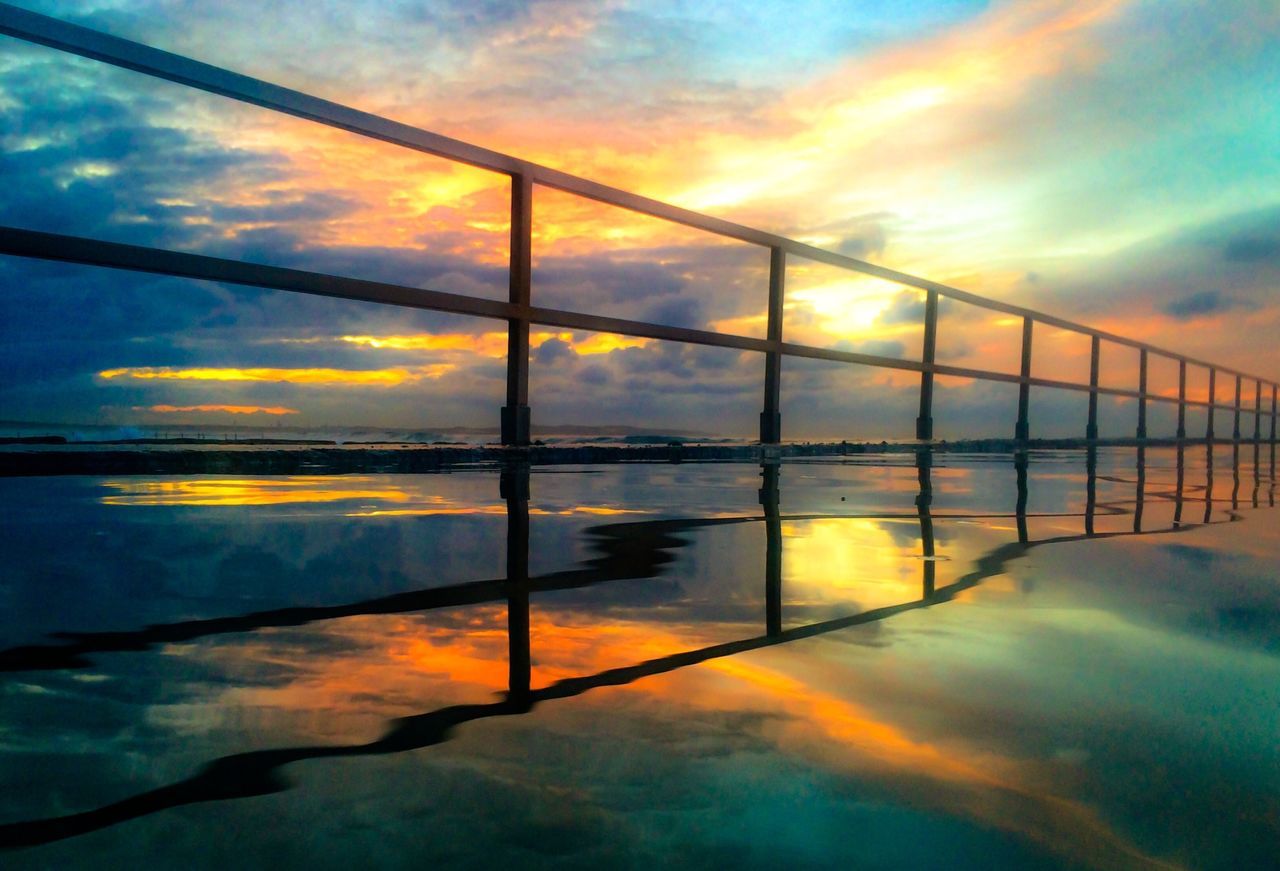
<point x="1108" y="161"/>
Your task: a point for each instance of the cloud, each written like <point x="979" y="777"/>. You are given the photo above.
<point x="227" y="409"/>
<point x="345" y="377"/>
<point x="1253" y="249"/>
<point x="1196" y="305"/>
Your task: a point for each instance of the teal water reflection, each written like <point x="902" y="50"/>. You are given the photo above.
<point x="1058" y="660"/>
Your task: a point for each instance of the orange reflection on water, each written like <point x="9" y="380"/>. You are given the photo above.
<point x="364" y="671"/>
<point x="1000" y="790"/>
<point x="248" y="491"/>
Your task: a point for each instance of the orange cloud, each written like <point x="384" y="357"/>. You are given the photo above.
<point x="495" y="344"/>
<point x="229" y="409"/>
<point x="375" y="377"/>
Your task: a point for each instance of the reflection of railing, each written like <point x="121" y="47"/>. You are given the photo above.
<point x="519" y="311"/>
<point x="640" y="551"/>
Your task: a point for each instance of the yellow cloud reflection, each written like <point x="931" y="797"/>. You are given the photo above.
<point x="851" y="560"/>
<point x="248" y="491"/>
<point x="376" y="377"/>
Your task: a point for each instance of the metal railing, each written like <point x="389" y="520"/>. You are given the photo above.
<point x="519" y="311"/>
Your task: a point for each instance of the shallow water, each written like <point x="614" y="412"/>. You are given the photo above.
<point x="971" y="662"/>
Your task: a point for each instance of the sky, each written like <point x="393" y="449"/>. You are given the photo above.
<point x="1113" y="162"/>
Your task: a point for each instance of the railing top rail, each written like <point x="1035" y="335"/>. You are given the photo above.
<point x="117" y="51"/>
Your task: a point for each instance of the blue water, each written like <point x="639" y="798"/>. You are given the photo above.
<point x="970" y="662"/>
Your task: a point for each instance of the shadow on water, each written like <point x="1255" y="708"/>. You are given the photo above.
<point x="628" y="550"/>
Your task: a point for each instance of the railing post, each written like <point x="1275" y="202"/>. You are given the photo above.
<point x="1213" y="401"/>
<point x="513" y="487"/>
<point x="924" y="423"/>
<point x="924" y="462"/>
<point x="1208" y="482"/>
<point x="1182" y="399"/>
<point x="1273" y="413"/>
<point x="1090" y="488"/>
<point x="1257" y="412"/>
<point x="1020" y="460"/>
<point x="1095" y="352"/>
<point x="771" y="417"/>
<point x="1142" y="393"/>
<point x="770" y="502"/>
<point x="1273" y="442"/>
<point x="1179" y="487"/>
<point x="1140" y="493"/>
<point x="1235" y="427"/>
<point x="515" y="414"/>
<point x="1022" y="431"/>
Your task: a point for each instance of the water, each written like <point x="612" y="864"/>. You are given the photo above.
<point x="968" y="663"/>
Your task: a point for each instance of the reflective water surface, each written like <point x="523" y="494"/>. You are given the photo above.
<point x="1061" y="660"/>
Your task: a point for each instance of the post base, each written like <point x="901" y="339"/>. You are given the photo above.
<point x="770" y="427"/>
<point x="515" y="425"/>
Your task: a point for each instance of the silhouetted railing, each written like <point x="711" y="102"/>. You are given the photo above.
<point x="519" y="311"/>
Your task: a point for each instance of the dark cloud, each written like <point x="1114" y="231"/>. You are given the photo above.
<point x="677" y="312"/>
<point x="907" y="308"/>
<point x="552" y="350"/>
<point x="566" y="281"/>
<point x="1207" y="302"/>
<point x="1253" y="249"/>
<point x="594" y="374"/>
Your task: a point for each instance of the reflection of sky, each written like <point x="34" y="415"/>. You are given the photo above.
<point x="979" y="144"/>
<point x="1098" y="703"/>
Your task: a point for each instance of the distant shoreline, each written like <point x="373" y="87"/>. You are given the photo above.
<point x="333" y="460"/>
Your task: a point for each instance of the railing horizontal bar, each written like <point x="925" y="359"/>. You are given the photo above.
<point x="58" y="247"/>
<point x="86" y="42"/>
<point x="135" y="258"/>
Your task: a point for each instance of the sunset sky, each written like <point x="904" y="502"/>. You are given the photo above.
<point x="1110" y="161"/>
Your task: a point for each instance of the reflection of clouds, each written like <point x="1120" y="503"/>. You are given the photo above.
<point x="987" y="714"/>
<point x="859" y="563"/>
<point x="247" y="491"/>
